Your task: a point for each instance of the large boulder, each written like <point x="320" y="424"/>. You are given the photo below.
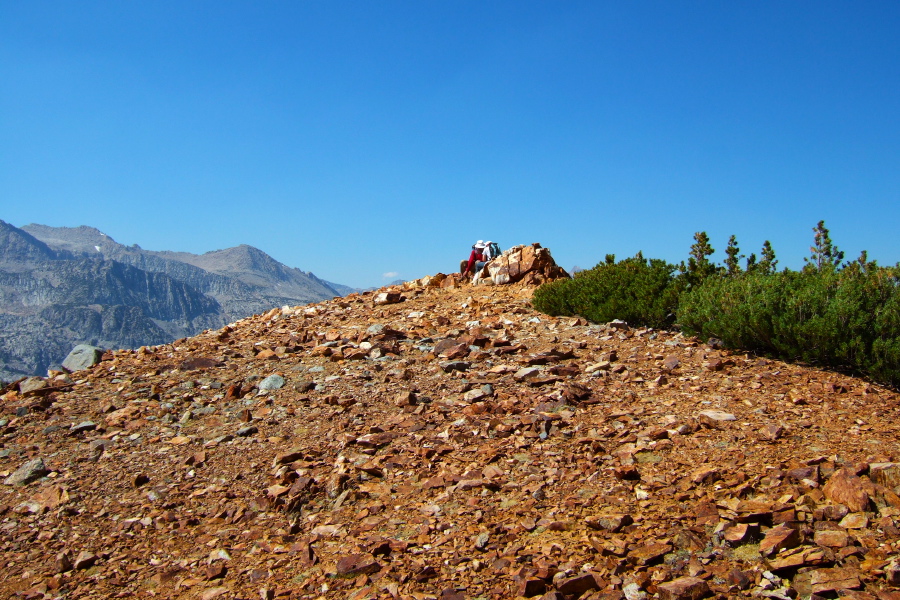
<point x="527" y="264"/>
<point x="82" y="357"/>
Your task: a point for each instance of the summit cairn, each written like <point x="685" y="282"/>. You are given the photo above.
<point x="532" y="265"/>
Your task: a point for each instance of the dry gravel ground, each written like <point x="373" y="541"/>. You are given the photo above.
<point x="447" y="442"/>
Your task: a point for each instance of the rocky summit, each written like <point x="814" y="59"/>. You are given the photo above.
<point x="442" y="440"/>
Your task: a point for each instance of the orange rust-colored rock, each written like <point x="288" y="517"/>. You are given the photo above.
<point x="454" y="443"/>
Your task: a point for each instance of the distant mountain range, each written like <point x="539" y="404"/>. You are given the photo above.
<point x="61" y="286"/>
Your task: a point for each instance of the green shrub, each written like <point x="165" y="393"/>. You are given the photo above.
<point x="639" y="291"/>
<point x="831" y="314"/>
<point x="846" y="318"/>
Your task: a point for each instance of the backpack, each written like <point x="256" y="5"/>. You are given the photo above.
<point x="492" y="251"/>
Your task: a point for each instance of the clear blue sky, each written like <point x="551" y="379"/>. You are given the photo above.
<point x="361" y="139"/>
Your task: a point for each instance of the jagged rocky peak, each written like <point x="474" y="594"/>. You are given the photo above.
<point x="82" y="239"/>
<point x="237" y="258"/>
<point x="19" y="248"/>
<point x="61" y="286"/>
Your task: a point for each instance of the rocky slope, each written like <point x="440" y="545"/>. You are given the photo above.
<point x="63" y="286"/>
<point x="441" y="440"/>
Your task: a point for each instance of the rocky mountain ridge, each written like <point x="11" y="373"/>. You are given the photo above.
<point x="440" y="440"/>
<point x="62" y="286"/>
<point x="243" y="279"/>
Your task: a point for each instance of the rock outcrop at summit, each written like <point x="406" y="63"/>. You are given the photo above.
<point x="431" y="441"/>
<point x="531" y="265"/>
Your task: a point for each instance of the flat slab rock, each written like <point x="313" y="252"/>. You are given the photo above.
<point x="28" y="472"/>
<point x="684" y="588"/>
<point x="718" y="416"/>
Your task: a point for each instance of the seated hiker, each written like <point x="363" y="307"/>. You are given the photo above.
<point x="476" y="260"/>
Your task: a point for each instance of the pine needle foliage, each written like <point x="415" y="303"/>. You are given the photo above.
<point x="847" y="319"/>
<point x="698" y="266"/>
<point x="642" y="292"/>
<point x="836" y="315"/>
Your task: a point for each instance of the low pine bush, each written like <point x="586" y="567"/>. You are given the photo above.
<point x="847" y="318"/>
<point x="832" y="314"/>
<point x="639" y="291"/>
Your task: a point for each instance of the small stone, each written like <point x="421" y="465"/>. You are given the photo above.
<point x="454" y="365"/>
<point x="482" y="540"/>
<point x="386" y="298"/>
<point x="33" y="469"/>
<point x="85" y="560"/>
<point x="830" y="538"/>
<point x="855" y="521"/>
<point x="778" y="538"/>
<point x="357" y="564"/>
<point x="531" y="587"/>
<point x="576" y="585"/>
<point x="474" y="395"/>
<point x="450" y="348"/>
<point x="405" y="398"/>
<point x="832" y="580"/>
<point x="846" y="488"/>
<point x="290" y="456"/>
<point x="715" y="418"/>
<point x="216" y="571"/>
<point x="738" y="578"/>
<point x="82" y="357"/>
<point x="683" y="588"/>
<point x="82" y="427"/>
<point x="741" y="532"/>
<point x="886" y="474"/>
<point x="247" y="431"/>
<point x="32" y="384"/>
<point x="612" y="523"/>
<point x="526" y="373"/>
<point x="633" y="591"/>
<point x="649" y="553"/>
<point x="706" y="474"/>
<point x="771" y="432"/>
<point x="63" y="562"/>
<point x="671" y="363"/>
<point x="52" y="496"/>
<point x="272" y="382"/>
<point x="213" y="592"/>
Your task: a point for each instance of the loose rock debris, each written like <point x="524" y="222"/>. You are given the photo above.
<point x="448" y="443"/>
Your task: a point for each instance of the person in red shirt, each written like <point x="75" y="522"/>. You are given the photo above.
<point x="476" y="260"/>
